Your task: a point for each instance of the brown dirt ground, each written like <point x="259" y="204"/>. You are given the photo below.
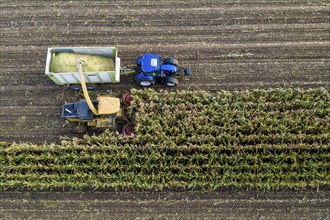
<point x="243" y="44"/>
<point x="165" y="205"/>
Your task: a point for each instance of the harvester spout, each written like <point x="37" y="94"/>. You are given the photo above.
<point x="84" y="87"/>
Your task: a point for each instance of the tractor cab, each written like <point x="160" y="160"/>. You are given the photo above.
<point x="152" y="69"/>
<point x="78" y="110"/>
<point x="150" y="63"/>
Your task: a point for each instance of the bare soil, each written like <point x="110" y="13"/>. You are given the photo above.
<point x="165" y="205"/>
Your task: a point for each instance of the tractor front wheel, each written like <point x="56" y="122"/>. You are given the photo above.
<point x="171" y="82"/>
<point x="80" y="129"/>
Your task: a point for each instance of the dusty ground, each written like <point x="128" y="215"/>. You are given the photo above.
<point x="228" y="45"/>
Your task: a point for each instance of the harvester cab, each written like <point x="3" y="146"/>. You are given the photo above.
<point x="105" y="112"/>
<point x="151" y="69"/>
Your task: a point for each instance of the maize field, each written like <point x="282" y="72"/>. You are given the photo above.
<point x="258" y="139"/>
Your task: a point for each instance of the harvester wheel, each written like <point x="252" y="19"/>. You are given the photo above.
<point x="127" y="98"/>
<point x="128" y="130"/>
<point x="80" y="129"/>
<point x="171" y="82"/>
<point x="119" y="124"/>
<point x="171" y="61"/>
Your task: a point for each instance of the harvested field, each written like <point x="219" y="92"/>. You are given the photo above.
<point x="166" y="205"/>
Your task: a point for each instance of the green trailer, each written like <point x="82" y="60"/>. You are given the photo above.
<point x="102" y="65"/>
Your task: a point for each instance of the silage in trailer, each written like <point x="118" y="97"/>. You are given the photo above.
<point x="66" y="62"/>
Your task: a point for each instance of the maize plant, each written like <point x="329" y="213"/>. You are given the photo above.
<point x="266" y="139"/>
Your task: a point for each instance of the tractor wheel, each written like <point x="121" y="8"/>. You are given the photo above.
<point x="128" y="130"/>
<point x="80" y="129"/>
<point x="145" y="84"/>
<point x="171" y="82"/>
<point x="171" y="61"/>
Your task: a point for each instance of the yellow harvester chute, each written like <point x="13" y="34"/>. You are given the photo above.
<point x="84" y="88"/>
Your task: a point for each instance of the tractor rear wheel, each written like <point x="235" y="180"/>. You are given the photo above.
<point x="171" y="61"/>
<point x="171" y="82"/>
<point x="80" y="129"/>
<point x="145" y="83"/>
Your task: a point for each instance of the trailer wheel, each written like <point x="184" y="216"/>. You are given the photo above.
<point x="80" y="129"/>
<point x="91" y="87"/>
<point x="75" y="87"/>
<point x="171" y="82"/>
<point x="171" y="60"/>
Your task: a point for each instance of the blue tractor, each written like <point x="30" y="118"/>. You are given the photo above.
<point x="151" y="70"/>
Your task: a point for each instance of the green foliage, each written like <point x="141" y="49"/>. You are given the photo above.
<point x="264" y="139"/>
